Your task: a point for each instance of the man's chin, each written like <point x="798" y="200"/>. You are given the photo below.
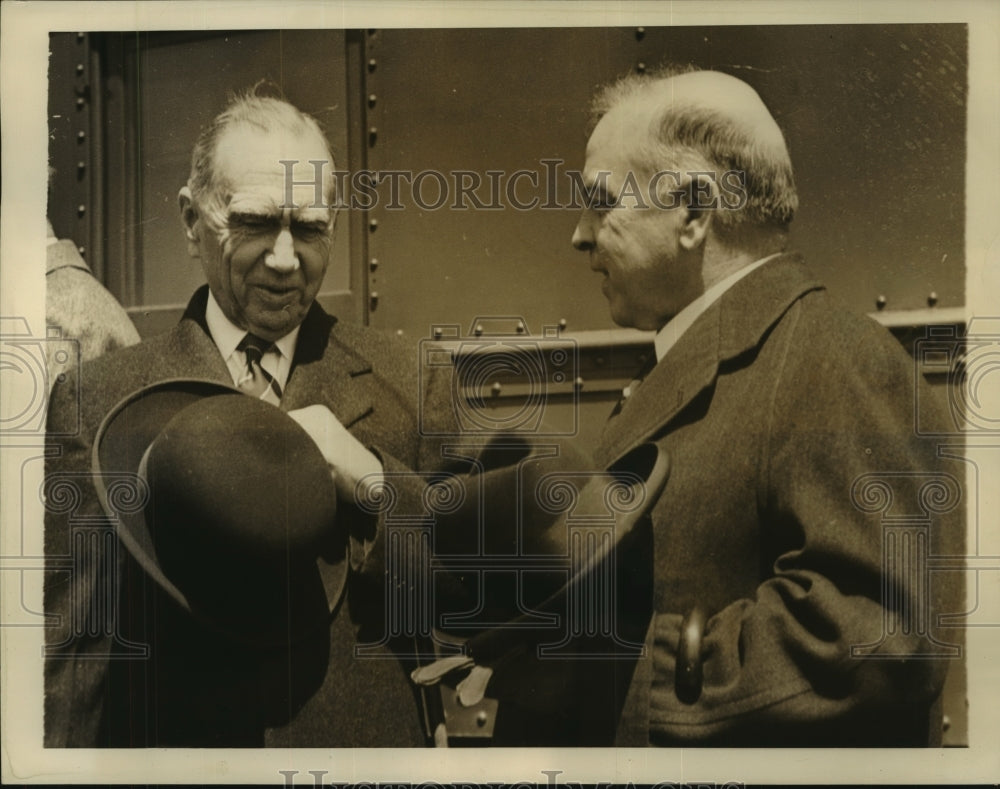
<point x="627" y="321"/>
<point x="273" y="325"/>
<point x="631" y="316"/>
<point x="621" y="316"/>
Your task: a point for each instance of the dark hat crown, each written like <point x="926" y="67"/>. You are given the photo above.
<point x="234" y="511"/>
<point x="240" y="502"/>
<point x="235" y="473"/>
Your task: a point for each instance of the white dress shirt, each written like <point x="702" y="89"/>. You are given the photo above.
<point x="278" y="361"/>
<point x="668" y="336"/>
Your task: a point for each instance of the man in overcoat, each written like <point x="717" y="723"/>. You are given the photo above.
<point x="784" y="610"/>
<point x="355" y="393"/>
<point x="80" y="307"/>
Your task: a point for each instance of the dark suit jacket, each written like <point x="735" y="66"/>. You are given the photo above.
<point x="197" y="689"/>
<point x="773" y="407"/>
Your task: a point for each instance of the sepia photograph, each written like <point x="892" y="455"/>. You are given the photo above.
<point x="499" y="392"/>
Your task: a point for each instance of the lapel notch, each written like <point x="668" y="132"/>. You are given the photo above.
<point x="190" y="346"/>
<point x="688" y="369"/>
<point x="328" y="372"/>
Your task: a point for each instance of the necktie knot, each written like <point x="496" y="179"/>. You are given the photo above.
<point x="258" y="381"/>
<point x="254" y="347"/>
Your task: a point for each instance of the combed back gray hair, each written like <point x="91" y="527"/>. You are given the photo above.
<point x="692" y="137"/>
<point x="261" y="108"/>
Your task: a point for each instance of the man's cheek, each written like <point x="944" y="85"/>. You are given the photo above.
<point x="615" y="229"/>
<point x="320" y="251"/>
<point x="245" y="247"/>
<point x="315" y="265"/>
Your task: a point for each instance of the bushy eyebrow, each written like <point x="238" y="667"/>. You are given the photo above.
<point x="601" y="193"/>
<point x="253" y="216"/>
<point x="270" y="212"/>
<point x="594" y="188"/>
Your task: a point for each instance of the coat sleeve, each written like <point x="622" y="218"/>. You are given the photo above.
<point x="841" y="642"/>
<point x="409" y="445"/>
<point x="82" y="555"/>
<point x="389" y="548"/>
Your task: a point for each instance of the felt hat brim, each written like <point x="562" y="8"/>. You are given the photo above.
<point x="551" y="661"/>
<point x="121" y="442"/>
<point x="553" y="522"/>
<point x="636" y="482"/>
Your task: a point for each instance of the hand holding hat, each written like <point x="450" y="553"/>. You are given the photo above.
<point x="350" y="462"/>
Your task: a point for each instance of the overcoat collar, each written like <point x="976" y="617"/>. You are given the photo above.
<point x="324" y="370"/>
<point x="733" y="325"/>
<point x="63" y="254"/>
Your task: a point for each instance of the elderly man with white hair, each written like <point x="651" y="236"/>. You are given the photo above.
<point x="784" y="609"/>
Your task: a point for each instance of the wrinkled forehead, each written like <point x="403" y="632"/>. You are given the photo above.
<point x="274" y="164"/>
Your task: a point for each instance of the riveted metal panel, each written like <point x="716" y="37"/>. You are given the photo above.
<point x="874" y="116"/>
<point x="74" y="207"/>
<point x="482" y="101"/>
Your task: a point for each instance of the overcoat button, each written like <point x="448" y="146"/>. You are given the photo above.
<point x="688" y="673"/>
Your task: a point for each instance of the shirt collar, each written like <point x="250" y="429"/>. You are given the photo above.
<point x="228" y="335"/>
<point x="668" y="336"/>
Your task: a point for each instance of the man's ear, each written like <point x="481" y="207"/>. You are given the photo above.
<point x="701" y="198"/>
<point x="189" y="218"/>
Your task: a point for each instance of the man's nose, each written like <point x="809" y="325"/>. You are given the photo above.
<point x="583" y="236"/>
<point x="282" y="257"/>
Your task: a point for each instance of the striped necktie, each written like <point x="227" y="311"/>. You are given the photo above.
<point x="257" y="381"/>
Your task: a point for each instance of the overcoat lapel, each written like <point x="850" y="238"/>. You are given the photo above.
<point x="324" y="371"/>
<point x="327" y="372"/>
<point x="190" y="347"/>
<point x="733" y="325"/>
<point x="675" y="381"/>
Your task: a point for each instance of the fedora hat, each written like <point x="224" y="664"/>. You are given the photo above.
<point x="543" y="511"/>
<point x="227" y="505"/>
<point x="575" y="547"/>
